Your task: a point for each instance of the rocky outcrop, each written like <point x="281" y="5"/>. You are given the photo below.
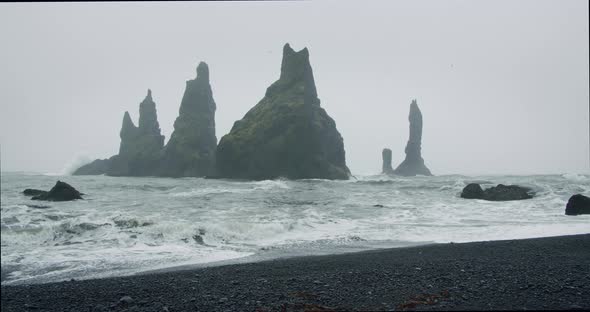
<point x="386" y="154"/>
<point x="60" y="192"/>
<point x="577" y="204"/>
<point x="287" y="134"/>
<point x="192" y="145"/>
<point x="141" y="146"/>
<point x="34" y="192"/>
<point x="413" y="164"/>
<point x="497" y="193"/>
<point x="98" y="166"/>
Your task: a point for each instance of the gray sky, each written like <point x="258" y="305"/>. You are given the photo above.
<point x="502" y="85"/>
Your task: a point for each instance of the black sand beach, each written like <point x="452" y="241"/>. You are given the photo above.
<point x="542" y="273"/>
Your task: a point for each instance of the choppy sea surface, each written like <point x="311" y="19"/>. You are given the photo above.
<point x="129" y="225"/>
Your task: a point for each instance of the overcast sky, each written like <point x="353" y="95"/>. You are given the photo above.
<point x="502" y="85"/>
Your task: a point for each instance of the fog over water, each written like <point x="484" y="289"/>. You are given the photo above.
<point x="502" y="85"/>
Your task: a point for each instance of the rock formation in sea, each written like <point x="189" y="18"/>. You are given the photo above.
<point x="192" y="145"/>
<point x="61" y="191"/>
<point x="577" y="204"/>
<point x="287" y="134"/>
<point x="500" y="192"/>
<point x="386" y="154"/>
<point x="141" y="146"/>
<point x="413" y="164"/>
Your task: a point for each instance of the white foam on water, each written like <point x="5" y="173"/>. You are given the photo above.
<point x="129" y="225"/>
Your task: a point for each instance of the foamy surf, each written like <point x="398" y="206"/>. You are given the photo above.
<point x="130" y="225"/>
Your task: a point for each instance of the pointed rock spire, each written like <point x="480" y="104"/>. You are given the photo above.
<point x="148" y="117"/>
<point x="192" y="145"/>
<point x="413" y="164"/>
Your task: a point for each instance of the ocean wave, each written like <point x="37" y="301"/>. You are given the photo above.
<point x="271" y="184"/>
<point x="576" y="177"/>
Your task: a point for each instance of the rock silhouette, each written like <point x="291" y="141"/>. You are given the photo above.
<point x="190" y="151"/>
<point x="61" y="191"/>
<point x="192" y="145"/>
<point x="497" y="193"/>
<point x="413" y="164"/>
<point x="287" y="134"/>
<point x="577" y="204"/>
<point x="386" y="154"/>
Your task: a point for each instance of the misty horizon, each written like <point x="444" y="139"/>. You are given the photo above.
<point x="507" y="97"/>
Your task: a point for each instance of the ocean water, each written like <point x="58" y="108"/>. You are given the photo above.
<point x="130" y="225"/>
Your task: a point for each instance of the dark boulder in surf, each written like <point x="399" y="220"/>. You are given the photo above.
<point x="472" y="191"/>
<point x="500" y="192"/>
<point x="60" y="192"/>
<point x="577" y="204"/>
<point x="34" y="192"/>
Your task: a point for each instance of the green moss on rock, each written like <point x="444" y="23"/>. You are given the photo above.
<point x="287" y="134"/>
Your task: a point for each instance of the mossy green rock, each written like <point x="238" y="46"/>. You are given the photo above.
<point x="287" y="134"/>
<point x="191" y="149"/>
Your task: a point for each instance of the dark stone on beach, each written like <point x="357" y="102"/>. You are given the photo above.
<point x="60" y="192"/>
<point x="413" y="164"/>
<point x="497" y="193"/>
<point x="191" y="149"/>
<point x="577" y="204"/>
<point x="126" y="300"/>
<point x="287" y="134"/>
<point x="386" y="155"/>
<point x="34" y="192"/>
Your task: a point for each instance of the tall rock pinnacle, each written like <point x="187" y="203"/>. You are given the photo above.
<point x="191" y="149"/>
<point x="387" y="169"/>
<point x="287" y="134"/>
<point x="414" y="164"/>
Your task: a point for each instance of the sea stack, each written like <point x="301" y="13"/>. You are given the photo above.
<point x="386" y="154"/>
<point x="414" y="164"/>
<point x="191" y="149"/>
<point x="140" y="148"/>
<point x="287" y="134"/>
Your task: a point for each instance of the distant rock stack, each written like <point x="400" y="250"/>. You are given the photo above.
<point x="192" y="145"/>
<point x="287" y="134"/>
<point x="387" y="169"/>
<point x="140" y="147"/>
<point x="414" y="164"/>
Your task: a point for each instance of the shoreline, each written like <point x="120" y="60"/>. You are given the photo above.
<point x="537" y="273"/>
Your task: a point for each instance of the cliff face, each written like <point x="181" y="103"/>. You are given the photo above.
<point x="192" y="145"/>
<point x="287" y="134"/>
<point x="386" y="154"/>
<point x="413" y="164"/>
